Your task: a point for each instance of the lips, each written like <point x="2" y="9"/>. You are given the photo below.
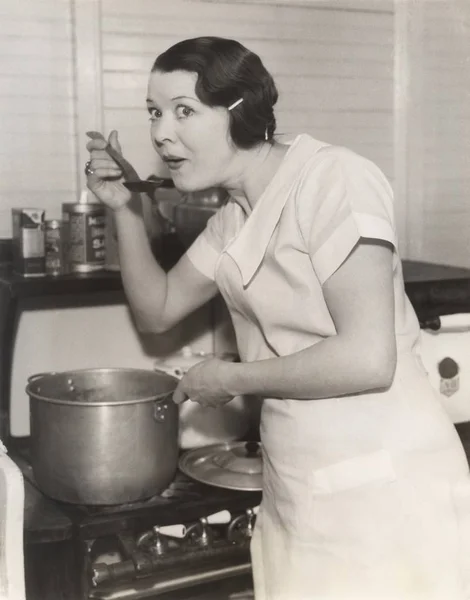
<point x="173" y="162"/>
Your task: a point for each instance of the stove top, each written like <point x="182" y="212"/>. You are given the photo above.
<point x="184" y="501"/>
<point x="190" y="535"/>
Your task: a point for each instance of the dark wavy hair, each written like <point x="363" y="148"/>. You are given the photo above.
<point x="227" y="71"/>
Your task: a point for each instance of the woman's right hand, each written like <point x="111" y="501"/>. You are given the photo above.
<point x="106" y="180"/>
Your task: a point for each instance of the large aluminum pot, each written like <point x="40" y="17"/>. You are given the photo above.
<point x="103" y="436"/>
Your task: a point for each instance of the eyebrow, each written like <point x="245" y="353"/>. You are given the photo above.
<point x="150" y="101"/>
<point x="185" y="98"/>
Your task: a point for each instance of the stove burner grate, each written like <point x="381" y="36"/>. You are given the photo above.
<point x="181" y="489"/>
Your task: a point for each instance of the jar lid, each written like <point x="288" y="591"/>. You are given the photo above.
<point x="53" y="224"/>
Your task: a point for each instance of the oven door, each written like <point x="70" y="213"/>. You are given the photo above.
<point x="446" y="357"/>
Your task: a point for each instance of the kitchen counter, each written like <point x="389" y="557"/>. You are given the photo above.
<point x="416" y="272"/>
<point x="436" y="290"/>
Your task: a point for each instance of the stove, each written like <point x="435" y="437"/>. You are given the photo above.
<point x="169" y="546"/>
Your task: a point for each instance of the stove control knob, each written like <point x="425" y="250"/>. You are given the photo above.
<point x="157" y="540"/>
<point x="200" y="533"/>
<point x="251" y="518"/>
<point x="158" y="543"/>
<point x="219" y="518"/>
<point x="241" y="528"/>
<point x="174" y="531"/>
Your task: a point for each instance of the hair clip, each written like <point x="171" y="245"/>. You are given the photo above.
<point x="236" y="103"/>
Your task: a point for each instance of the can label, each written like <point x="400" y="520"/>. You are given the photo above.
<point x="28" y="241"/>
<point x="448" y="387"/>
<point x="32" y="243"/>
<point x="54" y="250"/>
<point x="448" y="369"/>
<point x="86" y="239"/>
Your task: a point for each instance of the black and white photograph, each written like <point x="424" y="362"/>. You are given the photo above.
<point x="235" y="300"/>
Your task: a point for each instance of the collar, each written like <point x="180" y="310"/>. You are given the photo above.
<point x="249" y="247"/>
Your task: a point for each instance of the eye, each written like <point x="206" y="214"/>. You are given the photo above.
<point x="154" y="113"/>
<point x="183" y="111"/>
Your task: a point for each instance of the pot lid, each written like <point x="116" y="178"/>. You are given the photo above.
<point x="231" y="465"/>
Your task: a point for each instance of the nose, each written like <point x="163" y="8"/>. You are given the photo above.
<point x="162" y="130"/>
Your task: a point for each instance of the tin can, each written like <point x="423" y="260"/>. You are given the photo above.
<point x="28" y="241"/>
<point x="54" y="247"/>
<point x="84" y="229"/>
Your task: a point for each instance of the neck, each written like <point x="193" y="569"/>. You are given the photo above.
<point x="254" y="170"/>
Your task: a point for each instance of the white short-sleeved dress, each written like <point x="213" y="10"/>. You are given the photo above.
<point x="365" y="496"/>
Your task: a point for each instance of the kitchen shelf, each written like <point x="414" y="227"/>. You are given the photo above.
<point x="59" y="285"/>
<point x="423" y="281"/>
<point x="167" y="251"/>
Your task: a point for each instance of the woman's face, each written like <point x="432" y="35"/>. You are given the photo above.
<point x="190" y="137"/>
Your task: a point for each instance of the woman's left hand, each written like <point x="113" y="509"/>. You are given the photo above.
<point x="205" y="383"/>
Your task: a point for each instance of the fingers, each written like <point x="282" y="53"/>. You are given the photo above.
<point x="96" y="145"/>
<point x="104" y="168"/>
<point x="114" y="142"/>
<point x="179" y="396"/>
<point x="96" y="148"/>
<point x="99" y="158"/>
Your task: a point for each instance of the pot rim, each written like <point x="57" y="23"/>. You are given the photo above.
<point x="154" y="398"/>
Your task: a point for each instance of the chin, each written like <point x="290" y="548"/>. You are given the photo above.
<point x="186" y="187"/>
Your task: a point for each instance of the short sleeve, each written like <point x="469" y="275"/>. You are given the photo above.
<point x="207" y="247"/>
<point x="343" y="197"/>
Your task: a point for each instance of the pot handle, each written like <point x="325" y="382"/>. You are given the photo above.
<point x="160" y="408"/>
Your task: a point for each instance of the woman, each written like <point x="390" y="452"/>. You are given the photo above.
<point x="366" y="489"/>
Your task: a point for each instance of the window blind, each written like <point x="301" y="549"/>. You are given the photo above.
<point x="37" y="152"/>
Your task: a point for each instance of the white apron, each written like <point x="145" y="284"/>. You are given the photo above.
<point x="365" y="497"/>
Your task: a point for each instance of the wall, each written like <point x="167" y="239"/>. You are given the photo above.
<point x="37" y="126"/>
<point x="436" y="148"/>
<point x="446" y="132"/>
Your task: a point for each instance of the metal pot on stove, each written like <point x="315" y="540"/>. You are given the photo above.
<point x="202" y="426"/>
<point x="103" y="436"/>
